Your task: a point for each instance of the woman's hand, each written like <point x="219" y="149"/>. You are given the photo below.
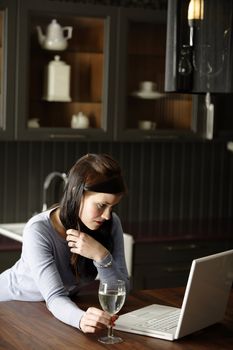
<point x="85" y="245"/>
<point x="95" y="319"/>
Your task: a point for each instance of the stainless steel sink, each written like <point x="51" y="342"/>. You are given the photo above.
<point x="13" y="230"/>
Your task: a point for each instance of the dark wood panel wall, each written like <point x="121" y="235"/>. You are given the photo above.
<point x="168" y="181"/>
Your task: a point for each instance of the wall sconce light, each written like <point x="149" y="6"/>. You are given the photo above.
<point x="195" y="15"/>
<point x="196" y="10"/>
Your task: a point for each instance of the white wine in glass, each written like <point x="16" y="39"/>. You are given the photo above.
<point x="111" y="297"/>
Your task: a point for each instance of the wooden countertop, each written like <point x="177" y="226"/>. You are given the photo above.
<point x="29" y="325"/>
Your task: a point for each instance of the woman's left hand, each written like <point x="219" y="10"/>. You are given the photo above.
<point x="95" y="319"/>
<point x="85" y="245"/>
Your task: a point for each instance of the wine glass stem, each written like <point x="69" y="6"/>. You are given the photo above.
<point x="110" y="331"/>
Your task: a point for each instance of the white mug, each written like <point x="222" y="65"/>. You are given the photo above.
<point x="146" y="125"/>
<point x="147" y="86"/>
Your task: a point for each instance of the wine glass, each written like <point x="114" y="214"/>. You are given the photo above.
<point x="111" y="297"/>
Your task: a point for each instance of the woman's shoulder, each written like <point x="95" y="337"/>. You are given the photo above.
<point x="115" y="219"/>
<point x="116" y="224"/>
<point x="38" y="226"/>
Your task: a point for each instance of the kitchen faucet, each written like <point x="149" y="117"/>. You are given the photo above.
<point x="47" y="183"/>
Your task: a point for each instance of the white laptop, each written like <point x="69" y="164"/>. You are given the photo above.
<point x="205" y="300"/>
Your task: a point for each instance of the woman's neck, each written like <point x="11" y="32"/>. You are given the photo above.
<point x="57" y="224"/>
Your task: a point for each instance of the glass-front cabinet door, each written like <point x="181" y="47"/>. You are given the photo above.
<point x="65" y="87"/>
<point x="7" y="68"/>
<point x="145" y="111"/>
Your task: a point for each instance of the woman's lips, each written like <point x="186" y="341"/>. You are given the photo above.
<point x="99" y="222"/>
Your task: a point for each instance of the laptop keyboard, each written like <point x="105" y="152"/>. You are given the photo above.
<point x="164" y="324"/>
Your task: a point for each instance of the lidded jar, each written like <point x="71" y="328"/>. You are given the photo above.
<point x="57" y="81"/>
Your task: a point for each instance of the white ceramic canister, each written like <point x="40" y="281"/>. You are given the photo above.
<point x="57" y="81"/>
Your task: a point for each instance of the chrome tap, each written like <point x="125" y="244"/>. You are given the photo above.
<point x="47" y="183"/>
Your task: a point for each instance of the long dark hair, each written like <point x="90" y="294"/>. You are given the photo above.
<point x="97" y="173"/>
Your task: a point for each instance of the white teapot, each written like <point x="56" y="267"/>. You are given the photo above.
<point x="56" y="36"/>
<point x="79" y="121"/>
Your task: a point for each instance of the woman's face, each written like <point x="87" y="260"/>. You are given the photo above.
<point x="97" y="207"/>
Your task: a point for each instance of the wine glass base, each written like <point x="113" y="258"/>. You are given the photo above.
<point x="110" y="340"/>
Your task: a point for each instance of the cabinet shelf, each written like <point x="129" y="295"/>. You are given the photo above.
<point x="144" y="61"/>
<point x="149" y="55"/>
<point x="38" y="100"/>
<point x="37" y="49"/>
<point x="57" y="114"/>
<point x="87" y="57"/>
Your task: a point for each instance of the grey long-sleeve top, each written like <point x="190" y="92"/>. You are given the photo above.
<point x="43" y="271"/>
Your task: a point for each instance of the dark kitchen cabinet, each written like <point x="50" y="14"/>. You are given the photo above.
<point x="116" y="59"/>
<point x="7" y="67"/>
<point x="112" y="53"/>
<point x="167" y="264"/>
<point x="43" y="111"/>
<point x="143" y="110"/>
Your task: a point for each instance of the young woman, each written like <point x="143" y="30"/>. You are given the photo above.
<point x="65" y="247"/>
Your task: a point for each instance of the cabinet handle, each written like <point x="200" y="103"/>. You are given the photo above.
<point x="76" y="136"/>
<point x="176" y="269"/>
<point x="181" y="247"/>
<point x="161" y="137"/>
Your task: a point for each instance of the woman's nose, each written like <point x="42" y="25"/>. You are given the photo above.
<point x="106" y="214"/>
